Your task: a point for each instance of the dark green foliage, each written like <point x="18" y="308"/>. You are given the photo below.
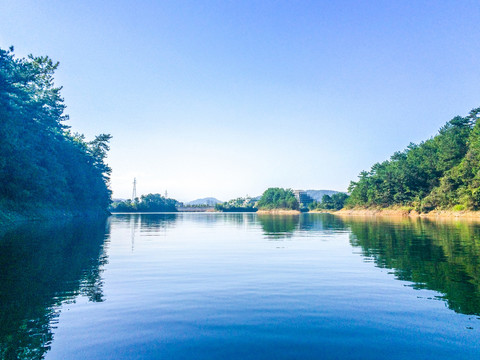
<point x="278" y="198"/>
<point x="334" y="202"/>
<point x="147" y="203"/>
<point x="438" y="173"/>
<point x="237" y="205"/>
<point x="460" y="187"/>
<point x="43" y="164"/>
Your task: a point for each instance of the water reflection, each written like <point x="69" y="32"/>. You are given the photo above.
<point x="278" y="226"/>
<point x="286" y="226"/>
<point x="443" y="256"/>
<point x="440" y="256"/>
<point x="325" y="223"/>
<point x="43" y="266"/>
<point x="151" y="222"/>
<point x="155" y="223"/>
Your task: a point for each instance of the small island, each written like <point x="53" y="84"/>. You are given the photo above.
<point x="278" y="201"/>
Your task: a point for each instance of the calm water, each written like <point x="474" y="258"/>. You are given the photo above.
<point x="241" y="286"/>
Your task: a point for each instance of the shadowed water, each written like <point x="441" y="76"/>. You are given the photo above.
<point x="224" y="286"/>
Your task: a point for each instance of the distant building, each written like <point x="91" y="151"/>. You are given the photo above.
<point x="302" y="197"/>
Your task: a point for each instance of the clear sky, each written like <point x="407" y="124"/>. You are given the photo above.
<point x="228" y="98"/>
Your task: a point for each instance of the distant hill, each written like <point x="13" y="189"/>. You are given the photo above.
<point x="318" y="194"/>
<point x="211" y="201"/>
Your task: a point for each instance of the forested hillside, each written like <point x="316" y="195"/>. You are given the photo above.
<point x="440" y="173"/>
<point x="44" y="167"/>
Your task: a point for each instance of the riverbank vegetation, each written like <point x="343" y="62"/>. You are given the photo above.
<point x="278" y="198"/>
<point x="438" y="174"/>
<point x="334" y="202"/>
<point x="146" y="203"/>
<point x="45" y="168"/>
<point x="237" y="205"/>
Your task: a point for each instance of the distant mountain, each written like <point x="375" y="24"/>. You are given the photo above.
<point x="210" y="201"/>
<point x="318" y="194"/>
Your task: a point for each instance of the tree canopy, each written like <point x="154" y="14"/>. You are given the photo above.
<point x="334" y="202"/>
<point x="240" y="204"/>
<point x="278" y="198"/>
<point x="440" y="173"/>
<point x="146" y="203"/>
<point x="42" y="162"/>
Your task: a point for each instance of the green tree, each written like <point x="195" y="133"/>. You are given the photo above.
<point x="334" y="202"/>
<point x="278" y="198"/>
<point x="429" y="175"/>
<point x="42" y="164"/>
<point x="146" y="203"/>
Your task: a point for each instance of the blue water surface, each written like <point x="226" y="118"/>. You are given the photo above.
<point x="242" y="286"/>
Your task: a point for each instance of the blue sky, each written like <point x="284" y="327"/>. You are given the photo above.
<point x="227" y="98"/>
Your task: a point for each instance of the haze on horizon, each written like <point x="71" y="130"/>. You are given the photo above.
<point x="225" y="99"/>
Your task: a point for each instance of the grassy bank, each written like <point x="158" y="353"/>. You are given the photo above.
<point x="405" y="211"/>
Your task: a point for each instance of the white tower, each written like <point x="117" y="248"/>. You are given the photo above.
<point x="134" y="192"/>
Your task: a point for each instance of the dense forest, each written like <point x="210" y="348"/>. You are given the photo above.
<point x="278" y="198"/>
<point x="333" y="202"/>
<point x="146" y="203"/>
<point x="44" y="166"/>
<point x="440" y="173"/>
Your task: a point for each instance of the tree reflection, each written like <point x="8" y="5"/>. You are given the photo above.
<point x="278" y="226"/>
<point x="155" y="222"/>
<point x="321" y="222"/>
<point x="43" y="266"/>
<point x="440" y="256"/>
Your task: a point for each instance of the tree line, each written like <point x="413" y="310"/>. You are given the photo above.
<point x="240" y="204"/>
<point x="333" y="202"/>
<point x="43" y="164"/>
<point x="146" y="203"/>
<point x="442" y="172"/>
<point x="271" y="199"/>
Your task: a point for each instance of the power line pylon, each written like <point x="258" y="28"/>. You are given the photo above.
<point x="134" y="192"/>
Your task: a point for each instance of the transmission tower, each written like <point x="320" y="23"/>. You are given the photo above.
<point x="134" y="192"/>
<point x="166" y="194"/>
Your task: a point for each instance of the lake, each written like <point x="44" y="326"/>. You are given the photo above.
<point x="241" y="286"/>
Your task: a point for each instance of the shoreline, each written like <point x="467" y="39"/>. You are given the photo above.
<point x="279" y="212"/>
<point x="12" y="218"/>
<point x="435" y="214"/>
